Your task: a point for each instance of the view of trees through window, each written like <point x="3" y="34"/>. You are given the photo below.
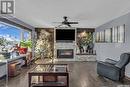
<point x="10" y="35"/>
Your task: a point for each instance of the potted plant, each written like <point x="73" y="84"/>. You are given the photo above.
<point x="24" y="46"/>
<point x="29" y="45"/>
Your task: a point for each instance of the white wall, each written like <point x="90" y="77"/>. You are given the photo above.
<point x="2" y="70"/>
<point x="114" y="50"/>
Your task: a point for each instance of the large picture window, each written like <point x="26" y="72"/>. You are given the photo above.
<point x="11" y="35"/>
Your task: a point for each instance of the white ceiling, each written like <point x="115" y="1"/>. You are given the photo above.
<point x="89" y="13"/>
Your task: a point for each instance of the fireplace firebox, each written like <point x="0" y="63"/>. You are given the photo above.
<point x="65" y="53"/>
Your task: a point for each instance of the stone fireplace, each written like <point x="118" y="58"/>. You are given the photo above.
<point x="65" y="53"/>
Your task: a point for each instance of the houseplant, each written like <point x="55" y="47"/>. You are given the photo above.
<point x="24" y="46"/>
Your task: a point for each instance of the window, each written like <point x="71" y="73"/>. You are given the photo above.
<point x="97" y="37"/>
<point x="121" y="34"/>
<point x="10" y="34"/>
<point x="102" y="36"/>
<point x="118" y="34"/>
<point x="108" y="35"/>
<point x="115" y="34"/>
<point x="27" y="35"/>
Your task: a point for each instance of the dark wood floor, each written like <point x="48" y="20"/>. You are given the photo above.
<point x="82" y="74"/>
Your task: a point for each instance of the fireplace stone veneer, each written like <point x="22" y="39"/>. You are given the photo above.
<point x="63" y="50"/>
<point x="65" y="53"/>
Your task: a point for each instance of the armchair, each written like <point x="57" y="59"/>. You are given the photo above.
<point x="114" y="70"/>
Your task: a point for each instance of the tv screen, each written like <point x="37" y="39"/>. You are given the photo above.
<point x="65" y="34"/>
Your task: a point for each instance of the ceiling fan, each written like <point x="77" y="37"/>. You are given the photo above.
<point x="66" y="22"/>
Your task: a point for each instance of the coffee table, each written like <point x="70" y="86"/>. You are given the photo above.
<point x="49" y="75"/>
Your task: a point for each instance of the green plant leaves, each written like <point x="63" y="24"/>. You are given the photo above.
<point x="27" y="44"/>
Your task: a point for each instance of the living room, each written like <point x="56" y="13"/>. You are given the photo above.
<point x="82" y="43"/>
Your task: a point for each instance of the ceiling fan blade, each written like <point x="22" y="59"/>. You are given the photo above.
<point x="57" y="22"/>
<point x="69" y="25"/>
<point x="73" y="22"/>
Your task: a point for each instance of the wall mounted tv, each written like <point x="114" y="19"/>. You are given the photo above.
<point x="65" y="35"/>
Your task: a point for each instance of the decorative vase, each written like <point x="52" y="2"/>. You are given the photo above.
<point x="77" y="50"/>
<point x="85" y="48"/>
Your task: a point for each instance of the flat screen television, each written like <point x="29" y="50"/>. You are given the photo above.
<point x="65" y="35"/>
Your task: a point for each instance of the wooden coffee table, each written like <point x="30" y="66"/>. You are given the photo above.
<point x="49" y="75"/>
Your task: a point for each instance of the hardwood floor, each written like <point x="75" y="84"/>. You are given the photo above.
<point x="82" y="74"/>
